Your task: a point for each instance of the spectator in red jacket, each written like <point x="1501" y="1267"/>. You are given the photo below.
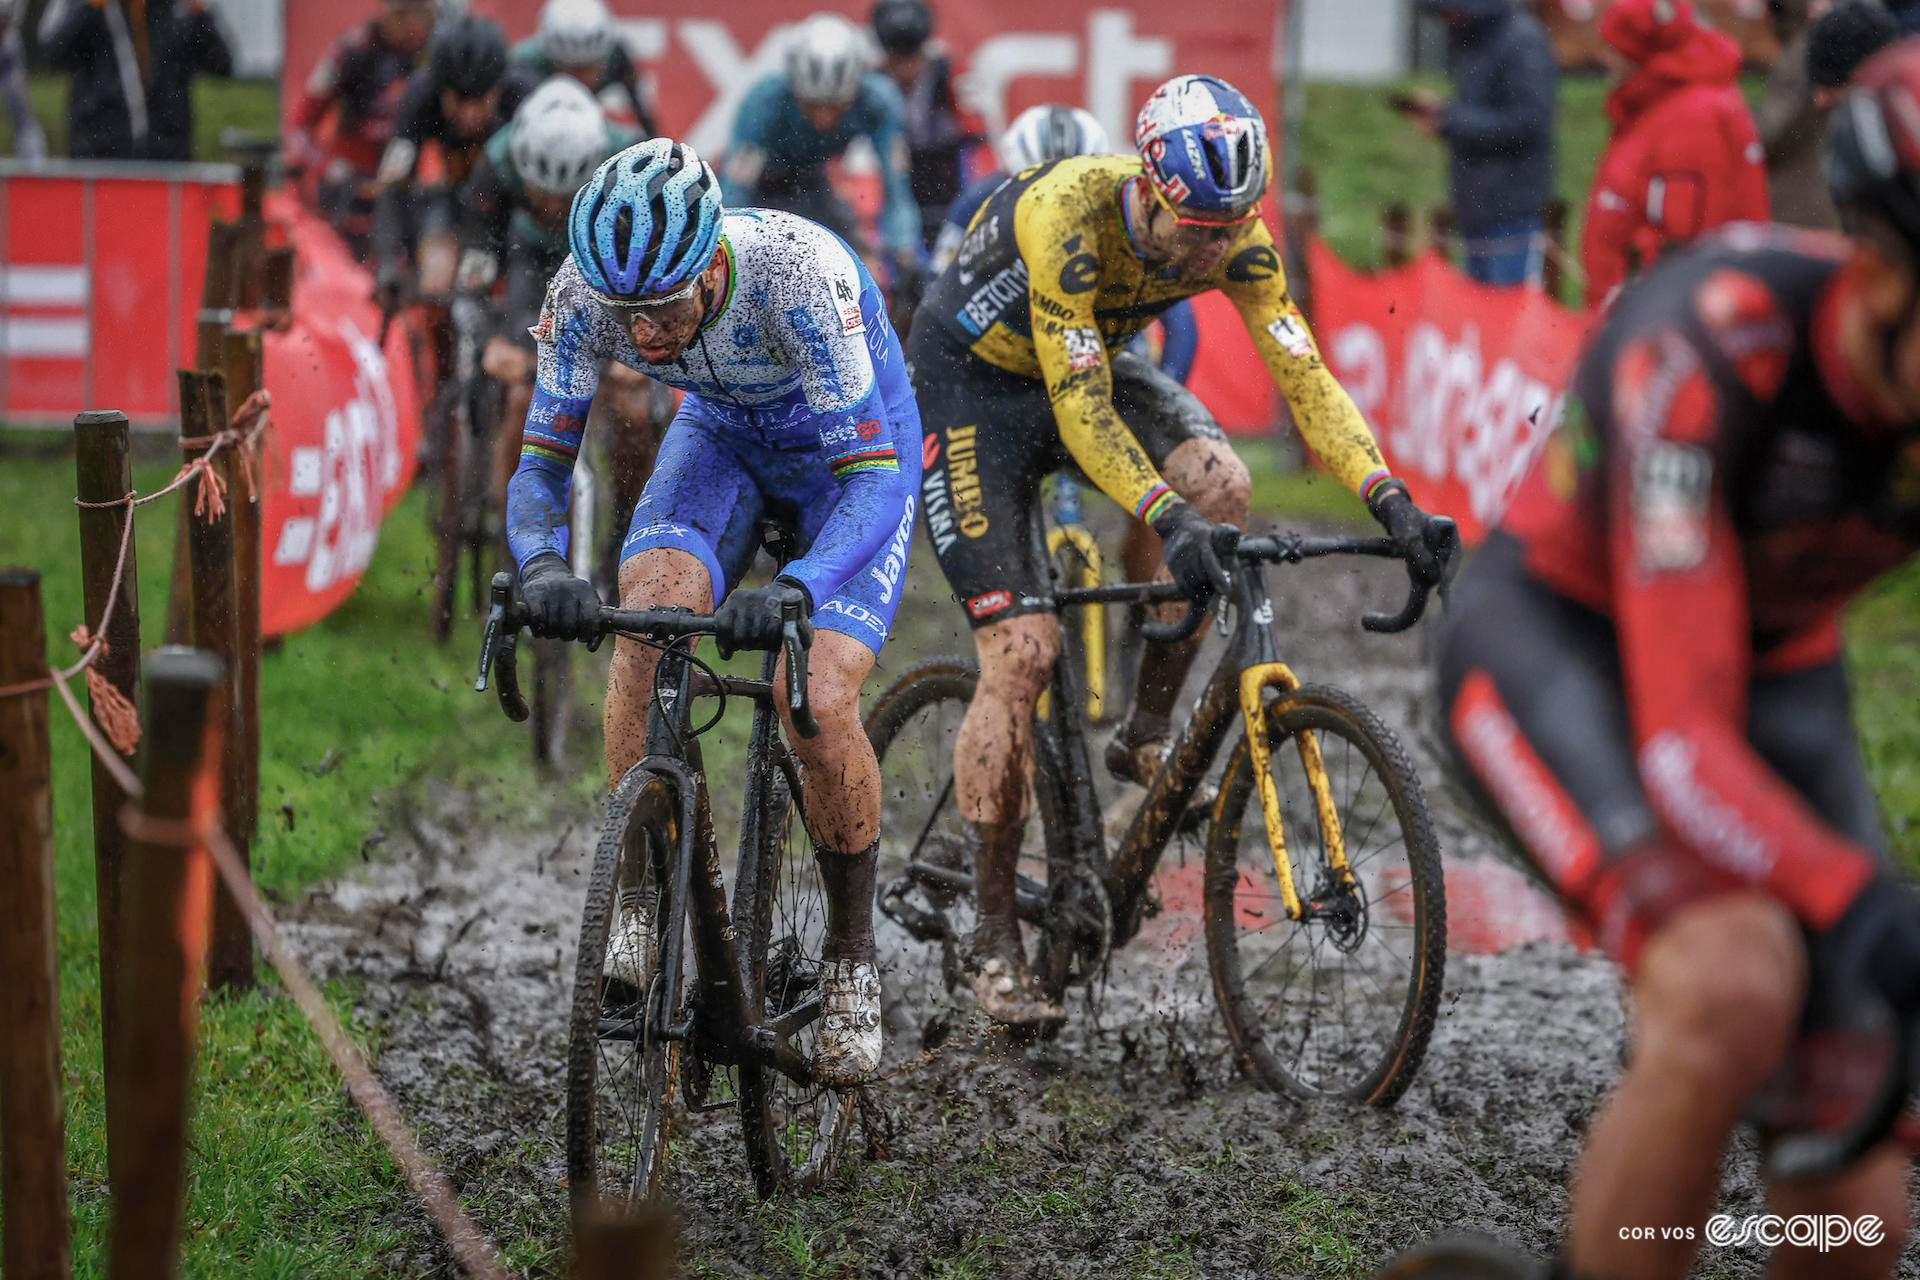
<point x="1684" y="157"/>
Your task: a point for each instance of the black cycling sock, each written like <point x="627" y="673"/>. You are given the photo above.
<point x="848" y="878"/>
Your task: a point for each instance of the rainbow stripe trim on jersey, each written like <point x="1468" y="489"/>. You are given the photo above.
<point x="1375" y="478"/>
<point x="1155" y="503"/>
<point x="871" y="460"/>
<point x="552" y="449"/>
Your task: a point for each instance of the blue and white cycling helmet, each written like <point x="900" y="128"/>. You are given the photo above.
<point x="646" y="222"/>
<point x="1204" y="147"/>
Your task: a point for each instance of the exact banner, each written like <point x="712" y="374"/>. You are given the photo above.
<point x="1461" y="382"/>
<point x="345" y="430"/>
<point x="704" y="57"/>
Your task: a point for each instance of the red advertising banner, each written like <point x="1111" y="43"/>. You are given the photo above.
<point x="1462" y="382"/>
<point x="704" y="57"/>
<point x="345" y="430"/>
<point x="100" y="283"/>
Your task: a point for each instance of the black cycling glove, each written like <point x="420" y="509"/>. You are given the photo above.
<point x="559" y="605"/>
<point x="1186" y="540"/>
<point x="1423" y="540"/>
<point x="751" y="617"/>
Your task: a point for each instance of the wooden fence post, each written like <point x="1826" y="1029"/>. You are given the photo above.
<point x="33" y="1145"/>
<point x="1553" y="225"/>
<point x="242" y="376"/>
<point x="278" y="289"/>
<point x="612" y="1243"/>
<point x="210" y="553"/>
<point x="169" y="888"/>
<point x="219" y="285"/>
<point x="1396" y="235"/>
<point x="102" y="474"/>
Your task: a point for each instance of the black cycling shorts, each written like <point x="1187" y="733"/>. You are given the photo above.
<point x="991" y="440"/>
<point x="1535" y="713"/>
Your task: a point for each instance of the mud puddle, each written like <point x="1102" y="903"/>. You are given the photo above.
<point x="1129" y="1146"/>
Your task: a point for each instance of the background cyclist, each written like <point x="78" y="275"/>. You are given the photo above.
<point x="1013" y="356"/>
<point x="577" y="38"/>
<point x="450" y="108"/>
<point x="357" y="83"/>
<point x="797" y="405"/>
<point x="793" y="122"/>
<point x="514" y="219"/>
<point x="1641" y="671"/>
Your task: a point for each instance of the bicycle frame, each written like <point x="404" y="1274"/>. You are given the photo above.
<point x="1250" y="666"/>
<point x="722" y="1018"/>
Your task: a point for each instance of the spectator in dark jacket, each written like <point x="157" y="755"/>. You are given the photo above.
<point x="1498" y="130"/>
<point x="132" y="64"/>
<point x="1809" y="77"/>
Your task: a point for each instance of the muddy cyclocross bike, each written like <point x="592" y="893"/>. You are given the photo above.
<point x="1325" y="919"/>
<point x="739" y="1034"/>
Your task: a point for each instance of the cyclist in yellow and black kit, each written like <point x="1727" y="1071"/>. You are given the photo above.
<point x="1014" y="365"/>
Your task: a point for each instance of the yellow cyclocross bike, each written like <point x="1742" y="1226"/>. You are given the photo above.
<point x="1323" y="904"/>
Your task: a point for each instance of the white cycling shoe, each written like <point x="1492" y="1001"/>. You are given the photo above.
<point x="631" y="943"/>
<point x="846" y="1053"/>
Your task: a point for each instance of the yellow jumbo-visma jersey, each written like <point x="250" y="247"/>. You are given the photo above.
<point x="1047" y="285"/>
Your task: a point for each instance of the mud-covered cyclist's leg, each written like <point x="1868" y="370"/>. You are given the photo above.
<point x="1717" y="1000"/>
<point x="660" y="578"/>
<point x="1195" y="459"/>
<point x="993" y="780"/>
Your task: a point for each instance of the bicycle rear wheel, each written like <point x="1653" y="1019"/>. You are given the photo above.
<point x="620" y="1074"/>
<point x="795" y="1132"/>
<point x="1340" y="1003"/>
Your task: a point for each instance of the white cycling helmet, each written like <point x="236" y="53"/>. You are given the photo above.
<point x="559" y="136"/>
<point x="576" y="33"/>
<point x="825" y="59"/>
<point x="1052" y="131"/>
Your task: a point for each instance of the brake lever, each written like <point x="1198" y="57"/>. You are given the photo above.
<point x="500" y="596"/>
<point x="802" y="714"/>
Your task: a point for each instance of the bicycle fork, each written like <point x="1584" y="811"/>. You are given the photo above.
<point x="1254" y="681"/>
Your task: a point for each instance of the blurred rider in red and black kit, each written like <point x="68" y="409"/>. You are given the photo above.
<point x="1641" y="673"/>
<point x="358" y="82"/>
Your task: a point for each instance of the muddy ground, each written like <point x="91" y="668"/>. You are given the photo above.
<point x="1128" y="1148"/>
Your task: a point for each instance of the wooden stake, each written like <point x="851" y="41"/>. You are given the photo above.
<point x="243" y="371"/>
<point x="103" y="473"/>
<point x="169" y="894"/>
<point x="211" y="607"/>
<point x="33" y="1146"/>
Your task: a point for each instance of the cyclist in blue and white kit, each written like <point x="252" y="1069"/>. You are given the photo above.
<point x="798" y="404"/>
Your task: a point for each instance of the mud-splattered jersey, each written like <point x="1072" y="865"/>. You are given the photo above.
<point x="799" y="357"/>
<point x="1048" y="284"/>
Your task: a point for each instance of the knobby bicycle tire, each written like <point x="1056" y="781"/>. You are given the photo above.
<point x="779" y="1118"/>
<point x="1329" y="711"/>
<point x="630" y="829"/>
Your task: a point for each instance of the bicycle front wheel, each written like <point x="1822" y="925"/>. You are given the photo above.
<point x="1340" y="1002"/>
<point x="620" y="1072"/>
<point x="795" y="1130"/>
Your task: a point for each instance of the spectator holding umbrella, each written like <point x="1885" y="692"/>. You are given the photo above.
<point x="132" y="64"/>
<point x="1498" y="130"/>
<point x="1684" y="156"/>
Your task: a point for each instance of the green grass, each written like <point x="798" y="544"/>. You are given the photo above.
<point x="1883" y="647"/>
<point x="285" y="1179"/>
<point x="251" y="106"/>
